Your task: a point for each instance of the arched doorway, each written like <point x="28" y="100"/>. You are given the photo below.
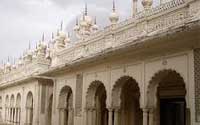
<point x="166" y="98"/>
<point x="12" y="109"/>
<point x="49" y="115"/>
<point x="65" y="106"/>
<point x="125" y="101"/>
<point x="18" y="109"/>
<point x="97" y="113"/>
<point x="29" y="109"/>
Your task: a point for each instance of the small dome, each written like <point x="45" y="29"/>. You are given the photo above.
<point x="14" y="66"/>
<point x="83" y="23"/>
<point x="76" y="28"/>
<point x="88" y="20"/>
<point x="8" y="65"/>
<point x="20" y="62"/>
<point x="114" y="17"/>
<point x="95" y="27"/>
<point x="62" y="35"/>
<point x="67" y="39"/>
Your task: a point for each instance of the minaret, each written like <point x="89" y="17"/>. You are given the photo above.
<point x="114" y="17"/>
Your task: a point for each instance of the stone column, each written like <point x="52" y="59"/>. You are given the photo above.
<point x="85" y="116"/>
<point x="89" y="117"/>
<point x="70" y="116"/>
<point x="8" y="116"/>
<point x="27" y="115"/>
<point x="110" y="116"/>
<point x="62" y="113"/>
<point x="117" y="116"/>
<point x="93" y="111"/>
<point x="145" y="116"/>
<point x="14" y="115"/>
<point x="11" y="115"/>
<point x="151" y="116"/>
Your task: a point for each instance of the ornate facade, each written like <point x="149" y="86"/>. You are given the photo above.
<point x="142" y="71"/>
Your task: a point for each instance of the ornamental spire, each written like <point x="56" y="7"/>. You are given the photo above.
<point x="43" y="37"/>
<point x="52" y="35"/>
<point x="86" y="9"/>
<point x="29" y="46"/>
<point x="114" y="8"/>
<point x="61" y="26"/>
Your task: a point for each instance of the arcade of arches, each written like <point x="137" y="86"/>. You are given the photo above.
<point x="166" y="103"/>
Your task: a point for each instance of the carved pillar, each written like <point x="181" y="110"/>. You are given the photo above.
<point x="70" y="116"/>
<point x="62" y="116"/>
<point x="11" y="115"/>
<point x="86" y="116"/>
<point x="145" y="116"/>
<point x="27" y="116"/>
<point x="151" y="116"/>
<point x="94" y="122"/>
<point x="110" y="116"/>
<point x="19" y="116"/>
<point x="14" y="115"/>
<point x="117" y="117"/>
<point x="8" y="116"/>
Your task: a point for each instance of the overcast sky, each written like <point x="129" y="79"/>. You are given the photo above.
<point x="22" y="21"/>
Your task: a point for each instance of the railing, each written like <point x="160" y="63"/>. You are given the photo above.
<point x="147" y="23"/>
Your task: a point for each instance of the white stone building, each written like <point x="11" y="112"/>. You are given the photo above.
<point x="143" y="71"/>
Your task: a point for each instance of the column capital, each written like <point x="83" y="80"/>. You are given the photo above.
<point x="110" y="109"/>
<point x="145" y="110"/>
<point x="117" y="109"/>
<point x="151" y="110"/>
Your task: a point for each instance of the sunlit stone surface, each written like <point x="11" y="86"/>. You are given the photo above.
<point x="143" y="71"/>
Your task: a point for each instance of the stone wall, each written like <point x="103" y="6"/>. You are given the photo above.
<point x="197" y="82"/>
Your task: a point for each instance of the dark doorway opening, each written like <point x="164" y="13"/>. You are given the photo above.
<point x="172" y="111"/>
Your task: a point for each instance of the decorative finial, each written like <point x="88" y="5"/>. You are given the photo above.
<point x="95" y="20"/>
<point x="86" y="9"/>
<point x="8" y="59"/>
<point x="77" y="21"/>
<point x="114" y="6"/>
<point x="61" y="26"/>
<point x="52" y="35"/>
<point x="84" y="16"/>
<point x="43" y="37"/>
<point x="29" y="46"/>
<point x="36" y="46"/>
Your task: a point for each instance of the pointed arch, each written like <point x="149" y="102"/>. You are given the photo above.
<point x="126" y="101"/>
<point x="29" y="108"/>
<point x="166" y="98"/>
<point x="96" y="102"/>
<point x="18" y="109"/>
<point x="165" y="77"/>
<point x="65" y="106"/>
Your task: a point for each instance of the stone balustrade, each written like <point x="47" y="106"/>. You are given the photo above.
<point x="146" y="23"/>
